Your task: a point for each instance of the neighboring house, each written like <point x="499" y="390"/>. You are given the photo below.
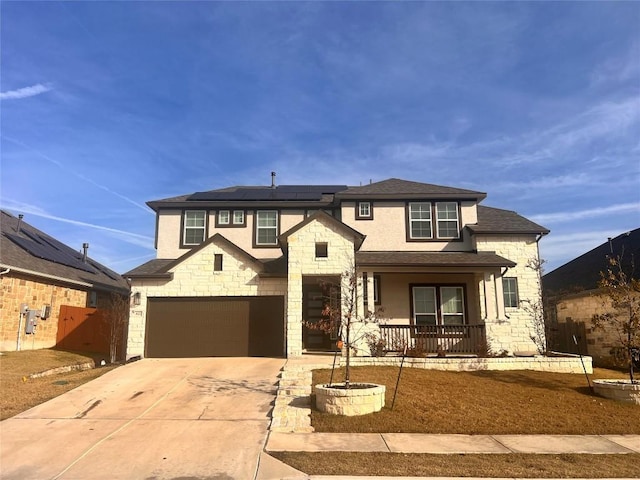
<point x="573" y="296"/>
<point x="40" y="275"/>
<point x="243" y="270"/>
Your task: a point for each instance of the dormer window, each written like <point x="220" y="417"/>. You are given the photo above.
<point x="364" y="211"/>
<point x="194" y="227"/>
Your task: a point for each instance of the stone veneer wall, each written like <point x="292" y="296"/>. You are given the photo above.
<point x="510" y="330"/>
<point x="568" y="364"/>
<point x="581" y="308"/>
<point x="194" y="277"/>
<point x="18" y="289"/>
<point x="303" y="261"/>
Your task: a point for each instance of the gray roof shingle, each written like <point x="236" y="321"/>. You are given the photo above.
<point x="583" y="272"/>
<point x="30" y="249"/>
<point x="397" y="188"/>
<point x="497" y="220"/>
<point x="433" y="259"/>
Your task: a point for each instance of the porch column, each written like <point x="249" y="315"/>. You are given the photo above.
<point x="490" y="300"/>
<point x="370" y="306"/>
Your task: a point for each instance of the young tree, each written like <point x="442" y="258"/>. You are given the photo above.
<point x="344" y="317"/>
<point x="535" y="308"/>
<point x="116" y="318"/>
<point x="621" y="300"/>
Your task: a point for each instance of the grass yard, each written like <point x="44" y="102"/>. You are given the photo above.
<point x="19" y="392"/>
<point x="496" y="466"/>
<point x="484" y="402"/>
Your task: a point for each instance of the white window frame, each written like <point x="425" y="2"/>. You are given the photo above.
<point x="420" y="219"/>
<point x="508" y="294"/>
<point x="259" y="227"/>
<point x="238" y="217"/>
<point x="446" y="218"/>
<point x="364" y="210"/>
<point x="224" y="217"/>
<point x="438" y="313"/>
<point x="187" y="227"/>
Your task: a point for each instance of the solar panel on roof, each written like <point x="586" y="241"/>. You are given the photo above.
<point x="284" y="192"/>
<point x="47" y="252"/>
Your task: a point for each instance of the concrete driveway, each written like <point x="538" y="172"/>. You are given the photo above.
<point x="155" y="419"/>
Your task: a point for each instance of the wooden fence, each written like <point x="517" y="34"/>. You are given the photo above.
<point x="83" y="330"/>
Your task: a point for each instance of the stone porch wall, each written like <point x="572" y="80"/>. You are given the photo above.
<point x="569" y="364"/>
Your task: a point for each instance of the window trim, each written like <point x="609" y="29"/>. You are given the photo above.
<point x="183" y="228"/>
<point x="409" y="221"/>
<point x="217" y="262"/>
<point x="516" y="292"/>
<point x="435" y="237"/>
<point x="243" y="223"/>
<point x="322" y="250"/>
<point x="457" y="204"/>
<point x="255" y="230"/>
<point x="359" y="215"/>
<point x="439" y="313"/>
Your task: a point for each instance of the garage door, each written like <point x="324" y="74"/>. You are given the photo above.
<point x="215" y="327"/>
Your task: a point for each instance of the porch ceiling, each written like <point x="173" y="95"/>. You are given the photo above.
<point x="432" y="259"/>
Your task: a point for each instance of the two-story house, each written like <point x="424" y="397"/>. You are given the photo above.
<point x="243" y="270"/>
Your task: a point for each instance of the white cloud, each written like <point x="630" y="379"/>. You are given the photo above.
<point x="132" y="238"/>
<point x="25" y="92"/>
<point x="589" y="213"/>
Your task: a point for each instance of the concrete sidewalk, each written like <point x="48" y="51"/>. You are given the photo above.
<point x="452" y="444"/>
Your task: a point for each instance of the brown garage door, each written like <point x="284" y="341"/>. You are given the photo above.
<point x="215" y="327"/>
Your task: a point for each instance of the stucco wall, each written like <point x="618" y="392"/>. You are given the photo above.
<point x="169" y="233"/>
<point x="303" y="261"/>
<point x="17" y="290"/>
<point x="511" y="328"/>
<point x="388" y="231"/>
<point x="395" y="294"/>
<point x="195" y="277"/>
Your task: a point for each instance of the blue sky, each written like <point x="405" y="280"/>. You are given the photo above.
<point x="107" y="105"/>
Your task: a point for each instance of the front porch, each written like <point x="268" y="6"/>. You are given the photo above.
<point x="440" y="340"/>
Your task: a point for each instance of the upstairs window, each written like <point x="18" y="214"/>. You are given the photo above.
<point x="447" y="216"/>
<point x="510" y="292"/>
<point x="364" y="211"/>
<point x="420" y="226"/>
<point x="238" y="217"/>
<point x="194" y="227"/>
<point x="266" y="228"/>
<point x="223" y="217"/>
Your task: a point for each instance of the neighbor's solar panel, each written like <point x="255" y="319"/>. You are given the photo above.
<point x="47" y="252"/>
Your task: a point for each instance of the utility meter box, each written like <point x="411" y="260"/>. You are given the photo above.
<point x="32" y="322"/>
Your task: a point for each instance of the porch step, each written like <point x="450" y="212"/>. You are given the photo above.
<point x="292" y="408"/>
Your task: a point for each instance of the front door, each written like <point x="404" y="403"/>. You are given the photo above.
<point x="319" y="301"/>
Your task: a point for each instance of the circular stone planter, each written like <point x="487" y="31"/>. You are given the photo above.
<point x="621" y="390"/>
<point x="358" y="399"/>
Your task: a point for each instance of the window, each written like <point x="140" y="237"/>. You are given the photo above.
<point x="322" y="250"/>
<point x="376" y="289"/>
<point x="238" y="217"/>
<point x="194" y="227"/>
<point x="223" y="217"/>
<point x="217" y="262"/>
<point x="266" y="227"/>
<point x="420" y="221"/>
<point x="364" y="211"/>
<point x="447" y="216"/>
<point x="438" y="305"/>
<point x="510" y="292"/>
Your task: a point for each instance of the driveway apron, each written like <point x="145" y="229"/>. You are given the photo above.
<point x="156" y="419"/>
